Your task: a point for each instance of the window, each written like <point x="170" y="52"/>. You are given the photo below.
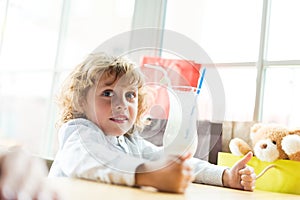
<point x="29" y="35"/>
<point x="281" y="97"/>
<point x="230" y="32"/>
<point x="40" y="42"/>
<point x="282" y="64"/>
<point x="284" y="40"/>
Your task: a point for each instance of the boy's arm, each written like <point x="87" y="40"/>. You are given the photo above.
<point x="85" y="154"/>
<point x="207" y="173"/>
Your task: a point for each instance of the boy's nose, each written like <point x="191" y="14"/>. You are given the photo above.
<point x="119" y="103"/>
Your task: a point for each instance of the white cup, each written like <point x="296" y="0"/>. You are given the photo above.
<point x="180" y="135"/>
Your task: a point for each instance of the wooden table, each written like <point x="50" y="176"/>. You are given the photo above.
<point x="73" y="189"/>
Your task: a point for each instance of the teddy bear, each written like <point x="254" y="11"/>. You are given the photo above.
<point x="270" y="142"/>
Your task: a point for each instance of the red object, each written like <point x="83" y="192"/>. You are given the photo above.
<point x="179" y="72"/>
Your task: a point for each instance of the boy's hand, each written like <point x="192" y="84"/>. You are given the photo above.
<point x="240" y="176"/>
<point x="172" y="174"/>
<point x="22" y="177"/>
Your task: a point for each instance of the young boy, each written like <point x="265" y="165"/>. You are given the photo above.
<point x="102" y="103"/>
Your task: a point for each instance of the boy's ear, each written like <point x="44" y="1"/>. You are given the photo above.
<point x="81" y="104"/>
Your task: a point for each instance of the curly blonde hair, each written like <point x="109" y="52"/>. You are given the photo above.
<point x="87" y="74"/>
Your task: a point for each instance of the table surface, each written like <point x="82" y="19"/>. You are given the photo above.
<point x="74" y="189"/>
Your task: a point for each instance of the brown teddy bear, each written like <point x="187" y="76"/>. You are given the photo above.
<point x="269" y="143"/>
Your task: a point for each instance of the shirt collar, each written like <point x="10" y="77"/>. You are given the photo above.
<point x="114" y="139"/>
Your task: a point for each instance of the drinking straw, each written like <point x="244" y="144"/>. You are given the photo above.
<point x="201" y="80"/>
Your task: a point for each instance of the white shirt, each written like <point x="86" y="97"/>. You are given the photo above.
<point x="86" y="152"/>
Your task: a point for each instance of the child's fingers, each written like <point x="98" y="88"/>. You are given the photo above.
<point x="11" y="183"/>
<point x="186" y="180"/>
<point x="249" y="188"/>
<point x="248" y="178"/>
<point x="187" y="167"/>
<point x="190" y="177"/>
<point x="251" y="177"/>
<point x="183" y="187"/>
<point x="242" y="162"/>
<point x="180" y="159"/>
<point x="247" y="170"/>
<point x="248" y="185"/>
<point x="32" y="182"/>
<point x="185" y="157"/>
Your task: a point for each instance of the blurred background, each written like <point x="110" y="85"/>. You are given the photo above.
<point x="254" y="44"/>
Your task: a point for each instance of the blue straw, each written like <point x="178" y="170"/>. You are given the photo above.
<point x="201" y="80"/>
<point x="198" y="92"/>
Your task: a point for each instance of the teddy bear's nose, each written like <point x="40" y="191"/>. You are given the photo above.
<point x="263" y="146"/>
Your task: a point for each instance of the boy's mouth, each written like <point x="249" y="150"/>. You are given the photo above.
<point x="119" y="118"/>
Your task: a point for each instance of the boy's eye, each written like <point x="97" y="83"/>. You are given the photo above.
<point x="108" y="93"/>
<point x="130" y="95"/>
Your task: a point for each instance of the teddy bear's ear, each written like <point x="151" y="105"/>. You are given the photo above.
<point x="295" y="131"/>
<point x="255" y="128"/>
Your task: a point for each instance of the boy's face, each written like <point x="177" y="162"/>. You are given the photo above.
<point x="112" y="105"/>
